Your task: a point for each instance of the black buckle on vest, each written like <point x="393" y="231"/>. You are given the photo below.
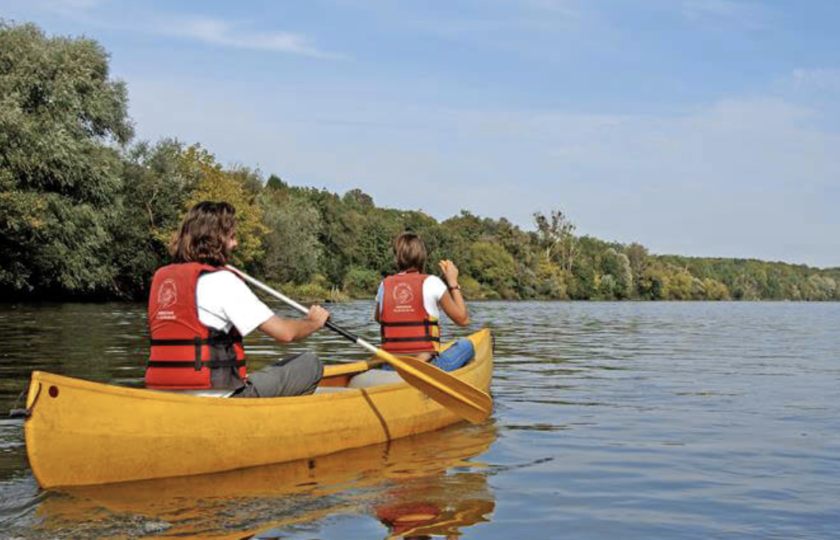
<point x="198" y="354"/>
<point x="426" y="323"/>
<point x="220" y="339"/>
<point x="410" y="339"/>
<point x="185" y="364"/>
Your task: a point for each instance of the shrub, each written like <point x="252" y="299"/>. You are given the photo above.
<point x="361" y="282"/>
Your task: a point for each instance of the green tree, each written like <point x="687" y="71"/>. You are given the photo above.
<point x="150" y="206"/>
<point x="339" y="231"/>
<point x="551" y="280"/>
<point x="361" y="282"/>
<point x="359" y="200"/>
<point x="715" y="290"/>
<point x="373" y="247"/>
<point x="820" y="288"/>
<point x="607" y="286"/>
<point x="653" y="284"/>
<point x="275" y="183"/>
<point x="638" y="256"/>
<point x="492" y="266"/>
<point x="292" y="251"/>
<point x="585" y="285"/>
<point x="556" y="237"/>
<point x="617" y="265"/>
<point x="681" y="286"/>
<point x="744" y="287"/>
<point x="62" y="120"/>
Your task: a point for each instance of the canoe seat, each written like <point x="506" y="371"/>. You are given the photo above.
<point x="331" y="389"/>
<point x="374" y="377"/>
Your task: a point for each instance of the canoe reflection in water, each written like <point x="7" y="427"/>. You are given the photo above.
<point x="388" y="482"/>
<point x="436" y="512"/>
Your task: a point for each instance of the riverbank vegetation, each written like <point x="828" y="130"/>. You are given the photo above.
<point x="86" y="212"/>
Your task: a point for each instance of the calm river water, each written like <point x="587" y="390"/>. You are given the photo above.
<point x="612" y="420"/>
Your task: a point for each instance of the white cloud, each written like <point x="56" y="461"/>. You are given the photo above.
<point x="67" y="5"/>
<point x="821" y="80"/>
<point x="208" y="30"/>
<point x="714" y="12"/>
<point x="80" y="11"/>
<point x="694" y="9"/>
<point x="226" y="34"/>
<point x="569" y="8"/>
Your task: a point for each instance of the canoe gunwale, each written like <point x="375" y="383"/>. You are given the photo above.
<point x="45" y="378"/>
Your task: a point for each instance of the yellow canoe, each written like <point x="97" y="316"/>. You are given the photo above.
<point x="86" y="433"/>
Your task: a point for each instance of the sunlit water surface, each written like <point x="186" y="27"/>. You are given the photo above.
<point x="612" y="420"/>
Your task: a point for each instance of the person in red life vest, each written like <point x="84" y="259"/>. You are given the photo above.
<point x="199" y="311"/>
<point x="408" y="306"/>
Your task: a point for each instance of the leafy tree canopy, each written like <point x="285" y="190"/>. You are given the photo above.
<point x="61" y="116"/>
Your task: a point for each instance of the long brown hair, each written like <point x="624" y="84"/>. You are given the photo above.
<point x="409" y="252"/>
<point x="204" y="234"/>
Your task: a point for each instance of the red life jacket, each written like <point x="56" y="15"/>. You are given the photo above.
<point x="183" y="349"/>
<point x="406" y="326"/>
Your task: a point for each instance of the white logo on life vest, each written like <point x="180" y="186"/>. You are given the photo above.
<point x="403" y="294"/>
<point x="168" y="294"/>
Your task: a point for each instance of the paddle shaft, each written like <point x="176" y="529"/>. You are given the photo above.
<point x="280" y="296"/>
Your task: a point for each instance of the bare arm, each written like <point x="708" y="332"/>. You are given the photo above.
<point x="452" y="302"/>
<point x="288" y="330"/>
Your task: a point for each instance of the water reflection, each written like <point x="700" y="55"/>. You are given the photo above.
<point x="422" y="517"/>
<point x="398" y="484"/>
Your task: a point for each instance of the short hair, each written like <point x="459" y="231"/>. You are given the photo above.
<point x="204" y="234"/>
<point x="409" y="252"/>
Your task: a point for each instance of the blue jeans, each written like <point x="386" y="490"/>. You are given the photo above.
<point x="456" y="356"/>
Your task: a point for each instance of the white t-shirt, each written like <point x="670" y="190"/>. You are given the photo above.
<point x="223" y="300"/>
<point x="433" y="290"/>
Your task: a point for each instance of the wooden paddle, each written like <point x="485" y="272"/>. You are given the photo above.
<point x="458" y="396"/>
<point x="351" y="368"/>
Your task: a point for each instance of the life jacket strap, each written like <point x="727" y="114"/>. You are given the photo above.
<point x="197" y="342"/>
<point x="181" y="364"/>
<point x="412" y="323"/>
<point x="219" y="340"/>
<point x="425" y="322"/>
<point x="408" y="339"/>
<point x="429" y="336"/>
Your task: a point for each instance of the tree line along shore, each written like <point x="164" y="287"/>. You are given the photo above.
<point x="86" y="212"/>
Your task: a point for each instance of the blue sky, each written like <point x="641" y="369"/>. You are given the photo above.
<point x="695" y="127"/>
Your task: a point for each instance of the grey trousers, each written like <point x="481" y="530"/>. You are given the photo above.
<point x="292" y="376"/>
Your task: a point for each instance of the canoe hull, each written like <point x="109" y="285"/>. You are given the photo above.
<point x="84" y="433"/>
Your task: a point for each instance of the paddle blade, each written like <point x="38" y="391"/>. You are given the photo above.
<point x="456" y="395"/>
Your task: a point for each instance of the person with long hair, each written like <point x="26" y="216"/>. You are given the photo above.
<point x="199" y="311"/>
<point x="408" y="306"/>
